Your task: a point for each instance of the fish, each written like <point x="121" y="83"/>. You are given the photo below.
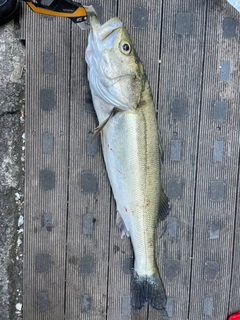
<point x="128" y="127"/>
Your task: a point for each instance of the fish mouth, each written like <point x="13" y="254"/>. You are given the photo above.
<point x="107" y="28"/>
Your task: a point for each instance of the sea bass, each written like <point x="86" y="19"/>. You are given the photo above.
<point x="127" y="121"/>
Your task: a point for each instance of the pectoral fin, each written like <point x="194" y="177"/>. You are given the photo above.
<point x="102" y="125"/>
<point x="165" y="206"/>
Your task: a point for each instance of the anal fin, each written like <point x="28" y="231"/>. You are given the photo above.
<point x="121" y="225"/>
<point x="165" y="206"/>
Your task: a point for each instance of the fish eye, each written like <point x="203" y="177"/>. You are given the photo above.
<point x="125" y="47"/>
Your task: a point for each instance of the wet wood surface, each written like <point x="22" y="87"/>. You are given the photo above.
<point x="76" y="266"/>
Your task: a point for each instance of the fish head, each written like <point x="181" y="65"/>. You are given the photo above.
<point x="115" y="72"/>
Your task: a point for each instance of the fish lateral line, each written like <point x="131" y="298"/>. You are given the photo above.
<point x="99" y="128"/>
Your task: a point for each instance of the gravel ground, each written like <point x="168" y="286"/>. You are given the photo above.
<point x="12" y="53"/>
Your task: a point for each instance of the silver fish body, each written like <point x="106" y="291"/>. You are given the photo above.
<point x="129" y="133"/>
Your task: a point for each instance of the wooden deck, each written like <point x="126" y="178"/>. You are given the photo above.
<point x="75" y="264"/>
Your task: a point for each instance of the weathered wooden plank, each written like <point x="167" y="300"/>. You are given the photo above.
<point x="178" y="115"/>
<point x="47" y="125"/>
<point x="235" y="275"/>
<point x="23" y="21"/>
<point x="98" y="262"/>
<point x="217" y="169"/>
<point x="232" y="31"/>
<point x="143" y="21"/>
<point x="89" y="193"/>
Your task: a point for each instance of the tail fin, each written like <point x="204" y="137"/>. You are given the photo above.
<point x="156" y="294"/>
<point x="150" y="289"/>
